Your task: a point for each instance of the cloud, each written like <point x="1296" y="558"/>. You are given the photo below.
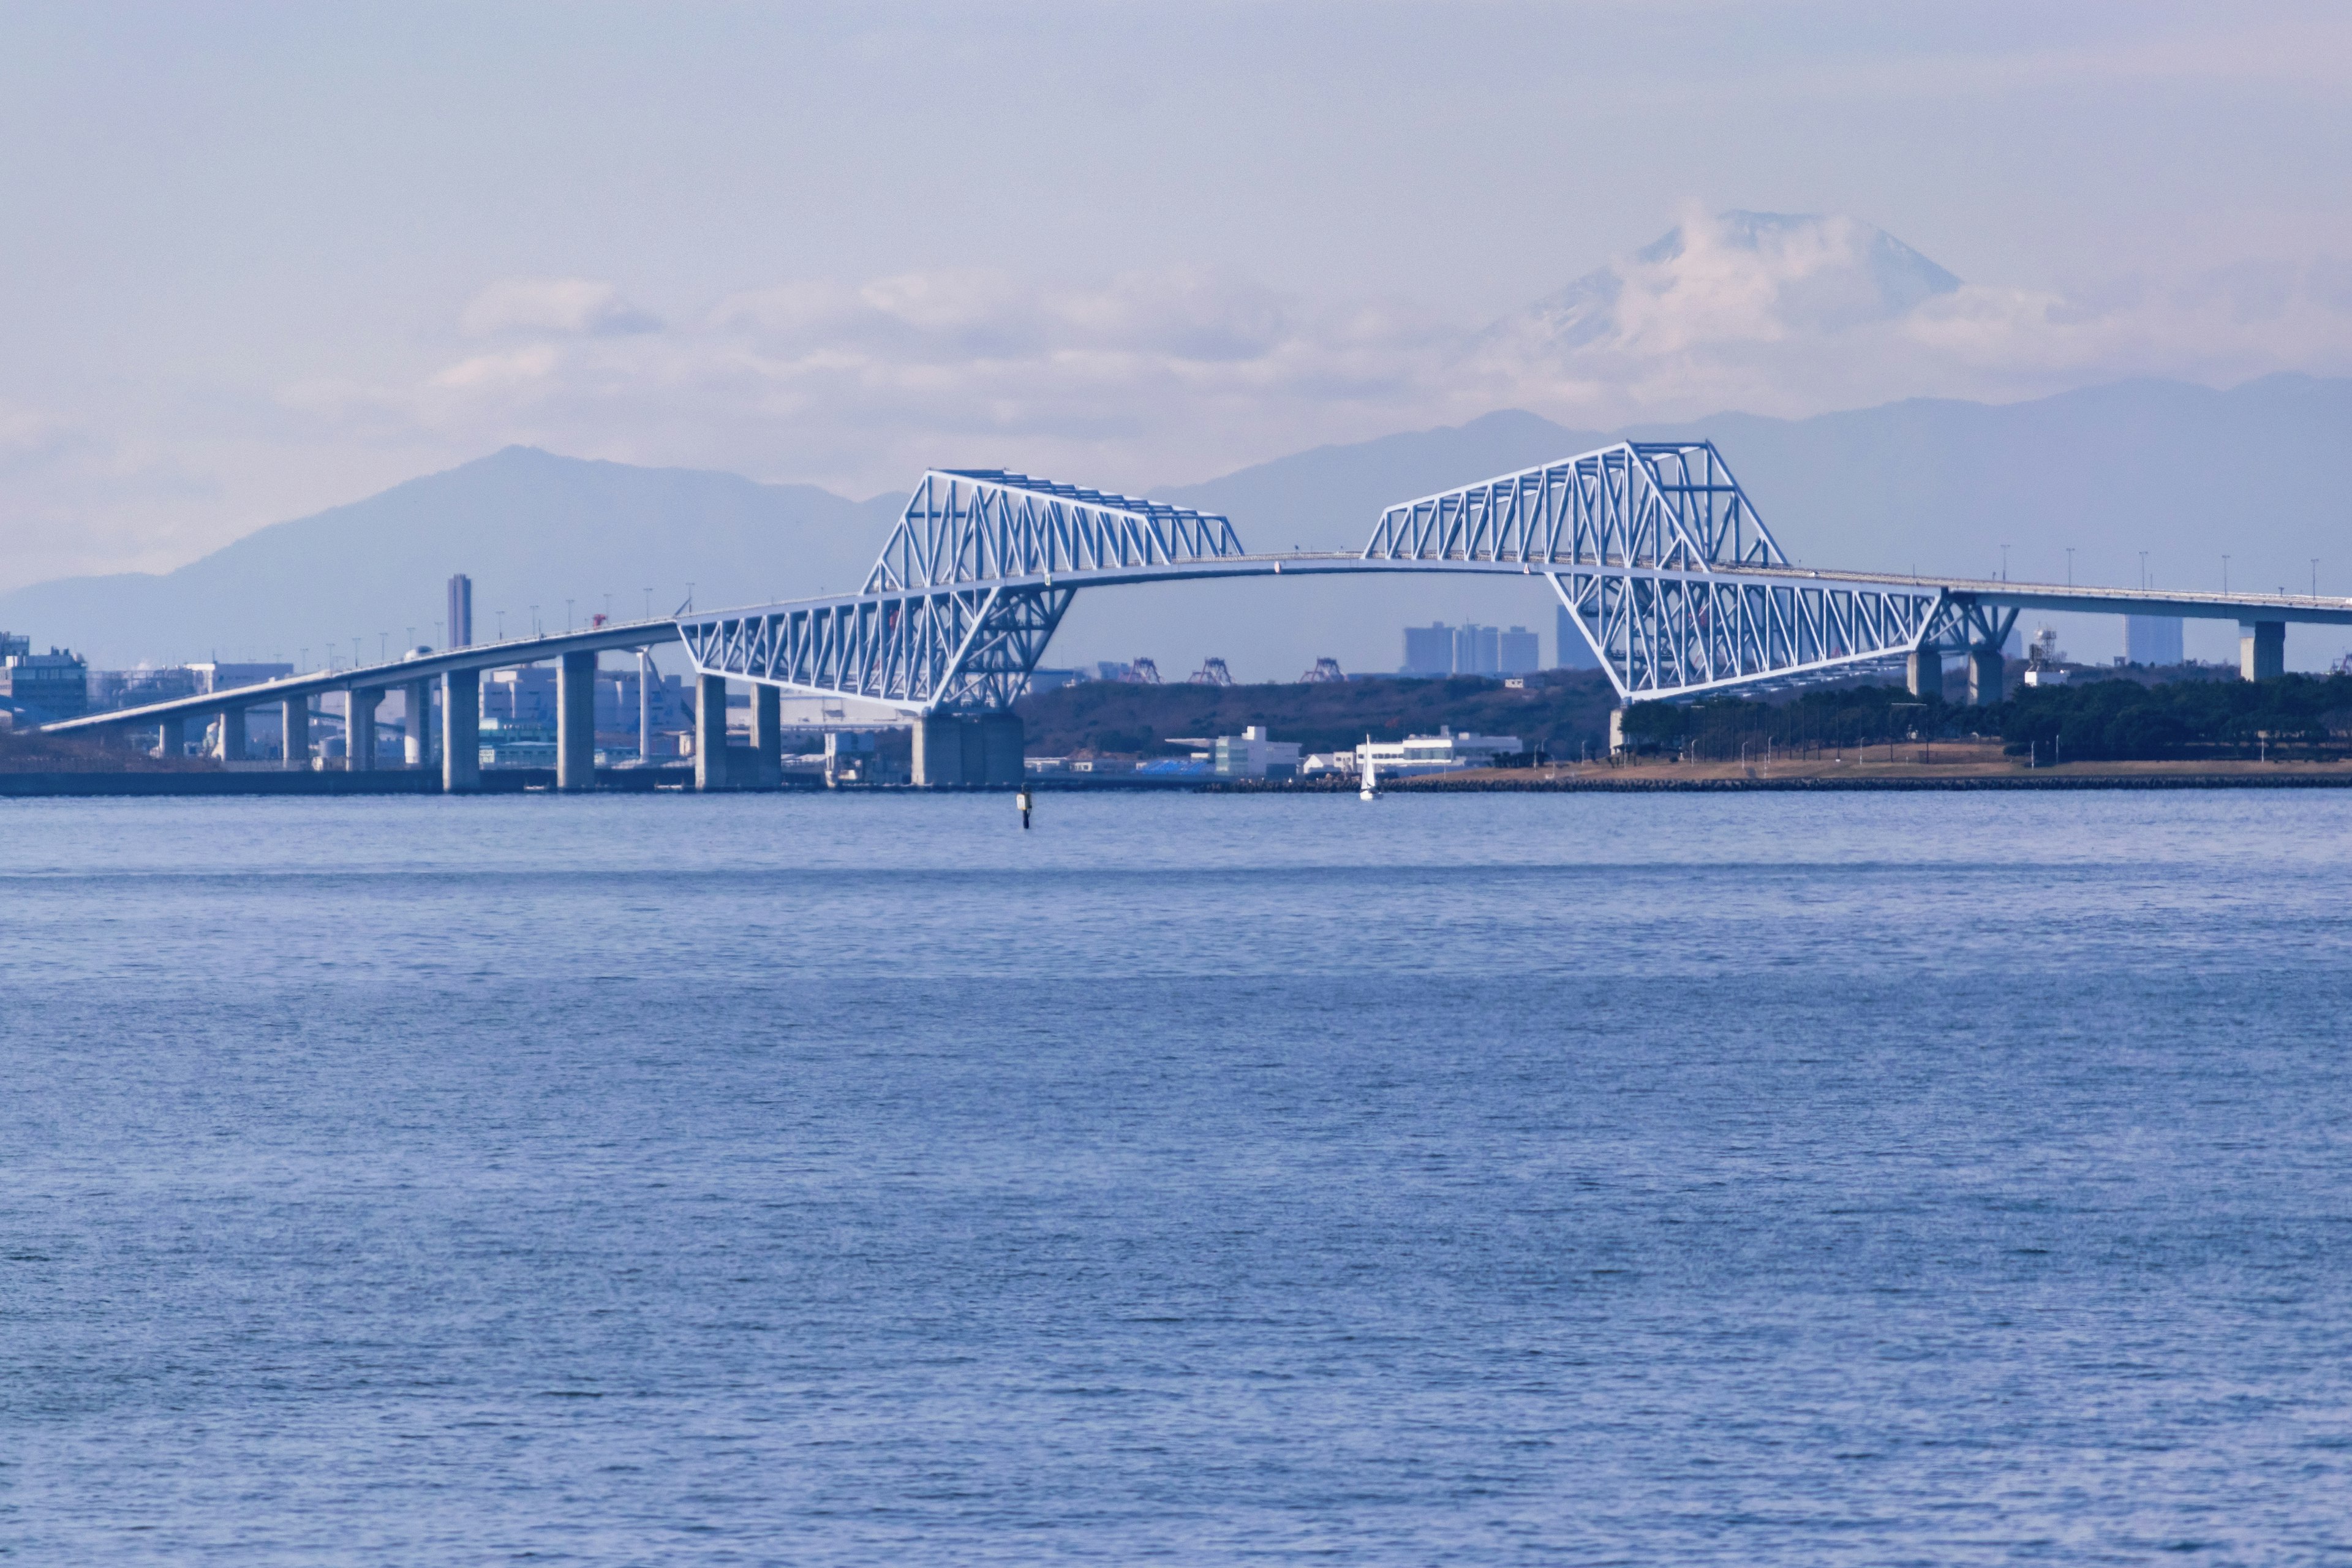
<point x="567" y="307"/>
<point x="1172" y="374"/>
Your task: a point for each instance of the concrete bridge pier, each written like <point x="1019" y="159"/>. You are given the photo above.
<point x="710" y="732"/>
<point x="952" y="751"/>
<point x="416" y="724"/>
<point x="2261" y="650"/>
<point x="461" y="732"/>
<point x="232" y="736"/>
<point x="1987" y="668"/>
<point x="294" y="722"/>
<point x="575" y="722"/>
<point x="767" y="737"/>
<point x="170" y="736"/>
<point x="359" y="730"/>
<point x="1925" y="672"/>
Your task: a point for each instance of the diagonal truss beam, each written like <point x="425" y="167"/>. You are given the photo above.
<point x="1677" y="634"/>
<point x="1670" y="505"/>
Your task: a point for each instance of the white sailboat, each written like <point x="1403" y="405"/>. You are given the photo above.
<point x="1370" y="789"/>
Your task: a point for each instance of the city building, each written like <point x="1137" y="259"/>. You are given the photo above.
<point x="54" y="684"/>
<point x="460" y="623"/>
<point x="1518" y="651"/>
<point x="1444" y="752"/>
<point x="1428" y="650"/>
<point x="2152" y="639"/>
<point x="112" y="689"/>
<point x="1250" y="755"/>
<point x="216" y="676"/>
<point x="511" y="744"/>
<point x="1476" y="650"/>
<point x="1569" y="647"/>
<point x="1470" y="649"/>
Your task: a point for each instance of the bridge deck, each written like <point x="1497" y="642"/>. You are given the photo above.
<point x="2295" y="608"/>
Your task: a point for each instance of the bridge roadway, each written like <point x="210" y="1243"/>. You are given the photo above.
<point x="456" y="671"/>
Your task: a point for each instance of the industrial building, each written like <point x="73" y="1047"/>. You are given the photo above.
<point x="1250" y="755"/>
<point x="55" y="685"/>
<point x="1444" y="752"/>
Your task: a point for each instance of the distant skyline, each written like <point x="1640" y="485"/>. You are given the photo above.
<point x="267" y="258"/>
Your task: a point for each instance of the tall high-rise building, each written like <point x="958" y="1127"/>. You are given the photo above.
<point x="1429" y="650"/>
<point x="1476" y="651"/>
<point x="2152" y="639"/>
<point x="1518" y="651"/>
<point x="1570" y="650"/>
<point x="461" y="611"/>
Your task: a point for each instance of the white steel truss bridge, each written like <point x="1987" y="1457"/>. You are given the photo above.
<point x="1655" y="550"/>
<point x="1652" y="548"/>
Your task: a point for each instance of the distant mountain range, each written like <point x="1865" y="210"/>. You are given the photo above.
<point x="2185" y="473"/>
<point x="532" y="530"/>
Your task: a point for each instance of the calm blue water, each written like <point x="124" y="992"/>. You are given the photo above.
<point x="1941" y="1179"/>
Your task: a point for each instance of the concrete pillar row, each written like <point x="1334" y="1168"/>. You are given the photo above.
<point x="767" y="737"/>
<point x="416" y="724"/>
<point x="1987" y="669"/>
<point x="359" y="730"/>
<point x="986" y="750"/>
<point x="2261" y="650"/>
<point x="294" y="725"/>
<point x="938" y="751"/>
<point x="710" y="732"/>
<point x="575" y="722"/>
<point x="233" y="735"/>
<point x="1003" y="739"/>
<point x="461" y="732"/>
<point x="1926" y="673"/>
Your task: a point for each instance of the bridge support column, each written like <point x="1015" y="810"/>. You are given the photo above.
<point x="359" y="730"/>
<point x="938" y="751"/>
<point x="417" y="723"/>
<point x="294" y="730"/>
<point x="232" y="736"/>
<point x="171" y="737"/>
<point x="461" y="730"/>
<point x="1986" y="669"/>
<point x="767" y="737"/>
<point x="2261" y="650"/>
<point x="1926" y="673"/>
<point x="710" y="732"/>
<point x="1001" y="739"/>
<point x="575" y="722"/>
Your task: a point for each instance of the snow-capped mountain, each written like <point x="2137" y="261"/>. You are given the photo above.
<point x="1740" y="275"/>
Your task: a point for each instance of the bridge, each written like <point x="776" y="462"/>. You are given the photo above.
<point x="1652" y="548"/>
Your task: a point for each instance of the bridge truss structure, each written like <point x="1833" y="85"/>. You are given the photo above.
<point x="1663" y="565"/>
<point x="1657" y="554"/>
<point x="1652" y="548"/>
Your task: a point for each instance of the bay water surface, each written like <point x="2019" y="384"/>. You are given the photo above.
<point x="1470" y="1179"/>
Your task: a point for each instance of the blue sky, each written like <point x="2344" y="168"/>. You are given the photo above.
<point x="265" y="259"/>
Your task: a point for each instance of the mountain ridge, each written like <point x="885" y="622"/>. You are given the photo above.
<point x="1939" y="484"/>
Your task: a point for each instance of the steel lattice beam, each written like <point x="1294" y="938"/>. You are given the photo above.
<point x="1675" y="634"/>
